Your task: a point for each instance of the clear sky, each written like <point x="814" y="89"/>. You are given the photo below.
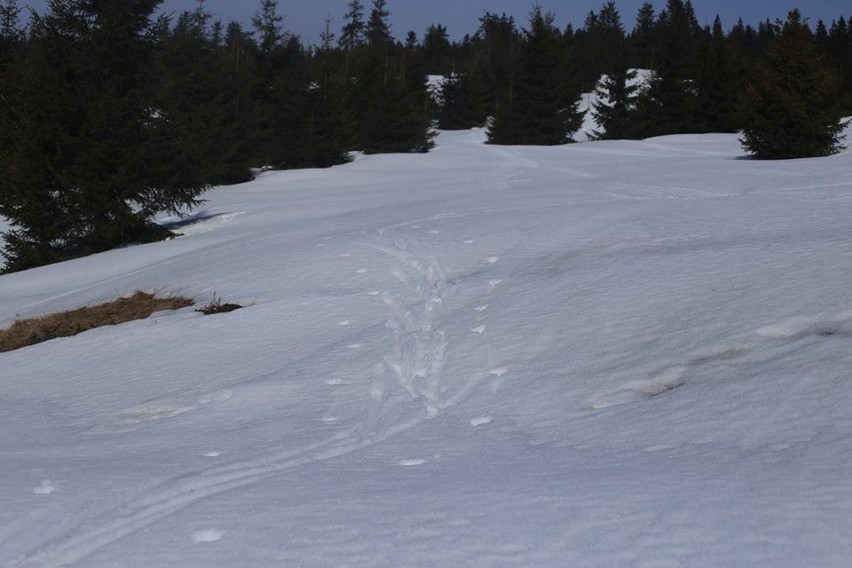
<point x="306" y="17"/>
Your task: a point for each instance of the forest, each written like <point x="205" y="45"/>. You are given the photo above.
<point x="111" y="113"/>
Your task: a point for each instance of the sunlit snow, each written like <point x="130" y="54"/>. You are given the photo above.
<point x="602" y="354"/>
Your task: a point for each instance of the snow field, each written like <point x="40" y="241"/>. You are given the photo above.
<point x="604" y="354"/>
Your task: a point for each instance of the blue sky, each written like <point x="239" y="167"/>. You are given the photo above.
<point x="306" y="17"/>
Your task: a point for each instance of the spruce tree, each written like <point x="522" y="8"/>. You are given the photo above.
<point x="615" y="108"/>
<point x="390" y="100"/>
<point x="199" y="92"/>
<point x="92" y="158"/>
<point x="542" y="108"/>
<point x="463" y="102"/>
<point x="669" y="103"/>
<point x="720" y="82"/>
<point x="790" y="107"/>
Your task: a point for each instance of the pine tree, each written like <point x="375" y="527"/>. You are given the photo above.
<point x="615" y="108"/>
<point x="720" y="82"/>
<point x="541" y="109"/>
<point x="643" y="38"/>
<point x="390" y="100"/>
<point x="790" y="108"/>
<point x="463" y="102"/>
<point x="201" y="91"/>
<point x="93" y="160"/>
<point x="352" y="36"/>
<point x="669" y="104"/>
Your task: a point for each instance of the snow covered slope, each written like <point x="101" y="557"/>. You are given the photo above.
<point x="603" y="354"/>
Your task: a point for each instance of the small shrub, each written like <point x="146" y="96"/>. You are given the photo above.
<point x="66" y="324"/>
<point x="217" y="307"/>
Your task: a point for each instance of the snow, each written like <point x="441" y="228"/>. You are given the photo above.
<point x="603" y="354"/>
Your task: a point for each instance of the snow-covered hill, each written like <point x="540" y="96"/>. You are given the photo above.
<point x="603" y="354"/>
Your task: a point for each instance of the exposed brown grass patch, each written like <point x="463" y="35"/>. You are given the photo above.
<point x="65" y="324"/>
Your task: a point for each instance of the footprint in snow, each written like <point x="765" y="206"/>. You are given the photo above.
<point x="411" y="463"/>
<point x="46" y="488"/>
<point x="207" y="536"/>
<point x="481" y="421"/>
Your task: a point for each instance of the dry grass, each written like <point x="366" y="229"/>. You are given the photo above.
<point x="65" y="324"/>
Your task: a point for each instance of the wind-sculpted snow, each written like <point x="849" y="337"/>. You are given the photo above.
<point x="609" y="353"/>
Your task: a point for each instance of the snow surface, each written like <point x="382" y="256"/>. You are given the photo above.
<point x="604" y="354"/>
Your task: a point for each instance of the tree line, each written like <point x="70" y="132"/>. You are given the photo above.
<point x="111" y="113"/>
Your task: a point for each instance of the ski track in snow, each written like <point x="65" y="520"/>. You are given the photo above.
<point x="416" y="358"/>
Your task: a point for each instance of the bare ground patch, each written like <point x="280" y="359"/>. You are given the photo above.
<point x="66" y="324"/>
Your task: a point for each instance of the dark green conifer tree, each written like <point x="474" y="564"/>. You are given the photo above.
<point x="668" y="105"/>
<point x="199" y="93"/>
<point x="615" y="108"/>
<point x="791" y="110"/>
<point x="390" y="100"/>
<point x="463" y="102"/>
<point x="92" y="160"/>
<point x="720" y="82"/>
<point x="617" y="92"/>
<point x="542" y="108"/>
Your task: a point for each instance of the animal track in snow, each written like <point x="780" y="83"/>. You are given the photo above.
<point x="46" y="488"/>
<point x="207" y="535"/>
<point x="481" y="421"/>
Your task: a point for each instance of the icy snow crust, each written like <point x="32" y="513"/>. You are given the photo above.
<point x="603" y="354"/>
